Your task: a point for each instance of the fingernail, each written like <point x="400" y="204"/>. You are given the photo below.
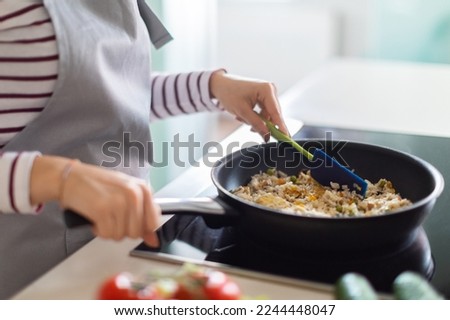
<point x="152" y="240"/>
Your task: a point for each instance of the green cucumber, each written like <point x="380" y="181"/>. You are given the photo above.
<point x="412" y="286"/>
<point x="354" y="286"/>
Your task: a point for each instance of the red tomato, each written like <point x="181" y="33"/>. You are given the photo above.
<point x="182" y="293"/>
<point x="190" y="285"/>
<point x="219" y="287"/>
<point x="193" y="284"/>
<point x="121" y="287"/>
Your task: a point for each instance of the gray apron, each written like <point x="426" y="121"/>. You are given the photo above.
<point x="102" y="96"/>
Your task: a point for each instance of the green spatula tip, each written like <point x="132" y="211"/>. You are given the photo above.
<point x="280" y="136"/>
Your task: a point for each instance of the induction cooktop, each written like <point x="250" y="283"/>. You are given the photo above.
<point x="188" y="238"/>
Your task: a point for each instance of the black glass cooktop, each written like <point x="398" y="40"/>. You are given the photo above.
<point x="189" y="238"/>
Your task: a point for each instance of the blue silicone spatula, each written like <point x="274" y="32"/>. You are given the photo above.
<point x="326" y="169"/>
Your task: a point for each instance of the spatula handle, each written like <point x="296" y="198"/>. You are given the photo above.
<point x="280" y="136"/>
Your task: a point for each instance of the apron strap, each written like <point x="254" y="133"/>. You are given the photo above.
<point x="159" y="35"/>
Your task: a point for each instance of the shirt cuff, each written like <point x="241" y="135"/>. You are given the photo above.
<point x="15" y="175"/>
<point x="211" y="103"/>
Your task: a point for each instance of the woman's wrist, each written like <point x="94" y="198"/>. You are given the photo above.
<point x="68" y="168"/>
<point x="215" y="82"/>
<point x="47" y="178"/>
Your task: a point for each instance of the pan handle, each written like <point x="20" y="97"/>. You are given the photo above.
<point x="214" y="210"/>
<point x="202" y="205"/>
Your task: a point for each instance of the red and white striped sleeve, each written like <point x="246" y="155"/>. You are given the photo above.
<point x="28" y="64"/>
<point x="15" y="172"/>
<point x="184" y="93"/>
<point x="28" y="72"/>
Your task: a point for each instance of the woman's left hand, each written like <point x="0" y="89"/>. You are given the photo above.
<point x="240" y="96"/>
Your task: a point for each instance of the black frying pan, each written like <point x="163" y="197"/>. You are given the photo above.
<point x="412" y="177"/>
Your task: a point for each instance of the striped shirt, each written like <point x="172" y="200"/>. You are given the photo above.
<point x="28" y="74"/>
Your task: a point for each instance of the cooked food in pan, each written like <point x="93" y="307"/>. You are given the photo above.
<point x="302" y="195"/>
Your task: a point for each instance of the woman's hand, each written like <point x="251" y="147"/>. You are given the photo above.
<point x="240" y="96"/>
<point x="118" y="205"/>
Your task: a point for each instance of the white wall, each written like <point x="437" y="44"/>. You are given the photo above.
<point x="284" y="40"/>
<point x="193" y="25"/>
<point x="355" y="19"/>
<point x="279" y="41"/>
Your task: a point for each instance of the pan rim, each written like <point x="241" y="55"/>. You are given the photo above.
<point x="431" y="169"/>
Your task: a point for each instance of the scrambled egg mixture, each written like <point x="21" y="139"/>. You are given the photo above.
<point x="304" y="196"/>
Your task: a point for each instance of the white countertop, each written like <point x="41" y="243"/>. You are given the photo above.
<point x="383" y="96"/>
<point x="399" y="97"/>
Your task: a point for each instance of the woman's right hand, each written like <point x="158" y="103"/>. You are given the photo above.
<point x="118" y="205"/>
